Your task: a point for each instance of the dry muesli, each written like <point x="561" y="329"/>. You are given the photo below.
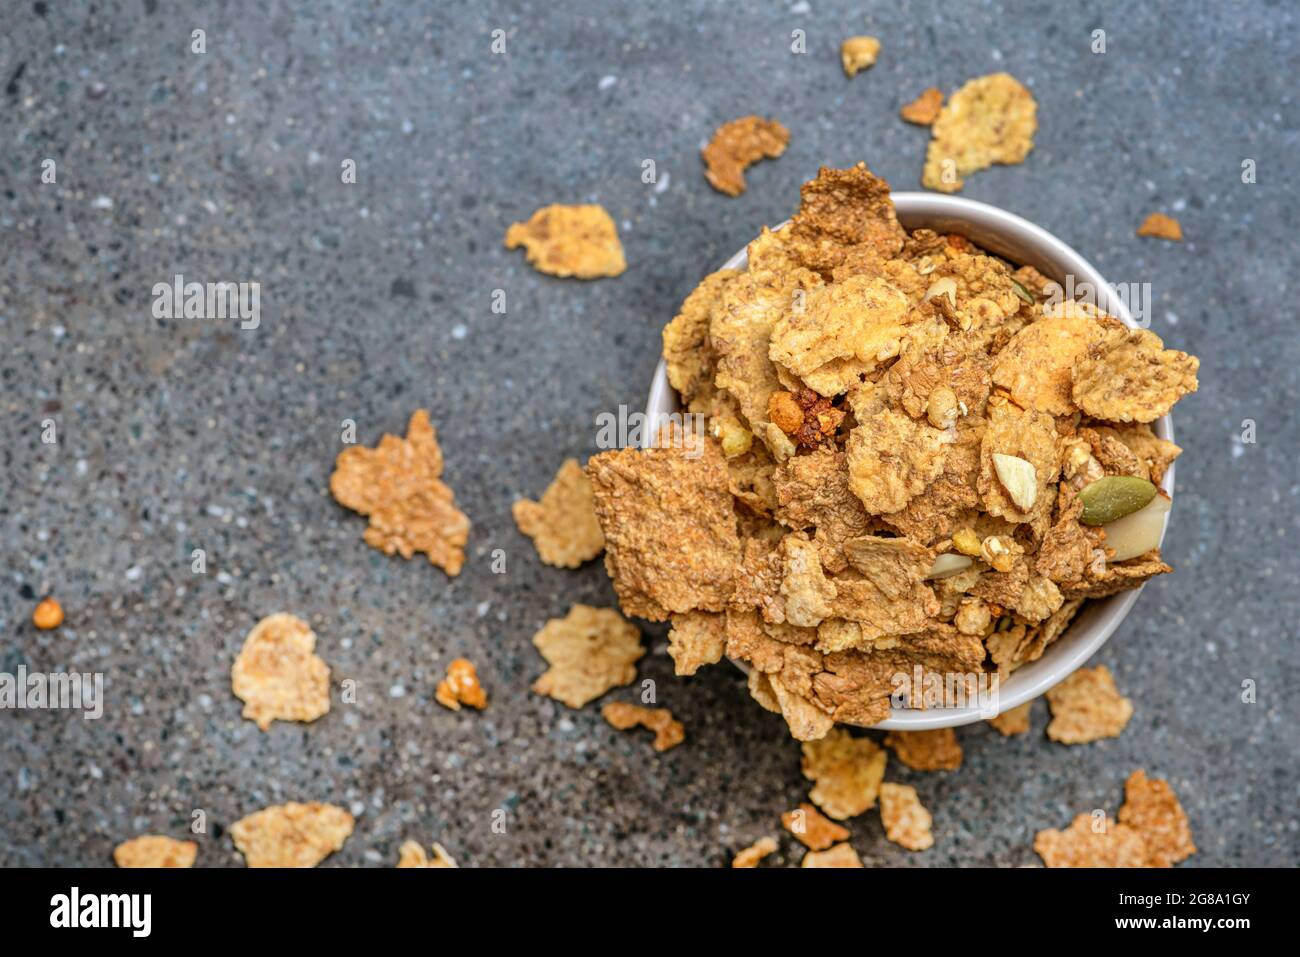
<point x="841" y="855"/>
<point x="1087" y="706"/>
<point x="752" y="855"/>
<point x="812" y="828"/>
<point x="992" y="119"/>
<point x="412" y="854"/>
<point x="1161" y="227"/>
<point x="563" y="525"/>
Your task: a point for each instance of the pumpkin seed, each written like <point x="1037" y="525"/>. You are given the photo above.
<point x="1113" y="497"/>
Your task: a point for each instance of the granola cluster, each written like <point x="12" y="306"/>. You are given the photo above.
<point x="917" y="462"/>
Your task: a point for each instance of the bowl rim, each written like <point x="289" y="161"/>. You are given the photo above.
<point x="1000" y="231"/>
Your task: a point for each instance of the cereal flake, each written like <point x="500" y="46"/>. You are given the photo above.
<point x="936" y="750"/>
<point x="153" y="850"/>
<point x="841" y="855"/>
<point x="1129" y="376"/>
<point x="579" y="242"/>
<point x="751" y="855"/>
<point x="992" y="119"/>
<point x="668" y="732"/>
<point x="563" y="525"/>
<point x="1151" y="808"/>
<point x="907" y="822"/>
<point x="461" y="686"/>
<point x="925" y="109"/>
<point x="411" y="854"/>
<point x="812" y="828"/>
<point x="589" y="650"/>
<point x="291" y="835"/>
<point x="1161" y="227"/>
<point x="846" y="773"/>
<point x="278" y="675"/>
<point x="1091" y="840"/>
<point x="737" y="145"/>
<point x="1087" y="706"/>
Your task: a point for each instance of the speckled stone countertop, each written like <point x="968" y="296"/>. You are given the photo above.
<point x="376" y="299"/>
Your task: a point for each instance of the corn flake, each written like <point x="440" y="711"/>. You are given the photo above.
<point x="398" y="485"/>
<point x="1091" y="841"/>
<point x="291" y="835"/>
<point x="1012" y="721"/>
<point x="668" y="732"/>
<point x="846" y="773"/>
<point x="570" y="241"/>
<point x="936" y="750"/>
<point x="411" y="854"/>
<point x="1161" y="227"/>
<point x="589" y="650"/>
<point x="925" y="109"/>
<point x="737" y="145"/>
<point x="563" y="525"/>
<point x="1036" y="365"/>
<point x="992" y="119"/>
<point x="751" y="855"/>
<point x="906" y="821"/>
<point x="697" y="638"/>
<point x="812" y="828"/>
<point x="278" y="675"/>
<point x="841" y="855"/>
<point x="1129" y="376"/>
<point x="891" y="459"/>
<point x="858" y="54"/>
<point x="1086" y="706"/>
<point x="153" y="850"/>
<point x="1151" y="808"/>
<point x="461" y="687"/>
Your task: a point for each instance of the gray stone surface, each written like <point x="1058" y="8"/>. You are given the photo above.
<point x="176" y="435"/>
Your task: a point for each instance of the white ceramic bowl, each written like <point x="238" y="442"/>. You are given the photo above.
<point x="1024" y="244"/>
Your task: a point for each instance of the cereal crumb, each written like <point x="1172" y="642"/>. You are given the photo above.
<point x="152" y="850"/>
<point x="461" y="687"/>
<point x="1087" y="706"/>
<point x="924" y="110"/>
<point x="737" y="145"/>
<point x="1091" y="840"/>
<point x="846" y="772"/>
<point x="841" y="855"/>
<point x="1151" y="808"/>
<point x="411" y="854"/>
<point x="1161" y="227"/>
<point x="858" y="54"/>
<point x="907" y="822"/>
<point x="291" y="835"/>
<point x="992" y="119"/>
<point x="278" y="675"/>
<point x="697" y="638"/>
<point x="751" y="855"/>
<point x="812" y="828"/>
<point x="589" y="650"/>
<point x="1012" y="721"/>
<point x="668" y="732"/>
<point x="936" y="750"/>
<point x="48" y="614"/>
<point x="398" y="485"/>
<point x="579" y="242"/>
<point x="563" y="525"/>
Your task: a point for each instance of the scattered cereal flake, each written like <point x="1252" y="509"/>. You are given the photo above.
<point x="668" y="732"/>
<point x="697" y="638"/>
<point x="670" y="527"/>
<point x="737" y="145"/>
<point x="891" y="459"/>
<point x="907" y="822"/>
<point x="751" y="855"/>
<point x="1013" y="720"/>
<point x="1152" y="809"/>
<point x="1027" y="435"/>
<point x="842" y="331"/>
<point x="841" y="855"/>
<point x="461" y="687"/>
<point x="153" y="850"/>
<point x="411" y="854"/>
<point x="1036" y="365"/>
<point x="924" y="110"/>
<point x="1087" y="706"/>
<point x="812" y="828"/>
<point x="1082" y="845"/>
<point x="563" y="525"/>
<point x="48" y="614"/>
<point x="858" y="54"/>
<point x="1161" y="227"/>
<point x="570" y="241"/>
<point x="590" y="650"/>
<point x="1129" y="376"/>
<point x="846" y="772"/>
<point x="936" y="750"/>
<point x="291" y="835"/>
<point x="398" y="485"/>
<point x="278" y="675"/>
<point x="990" y="120"/>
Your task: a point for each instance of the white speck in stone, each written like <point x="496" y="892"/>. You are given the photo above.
<point x="1211" y="647"/>
<point x="458" y="331"/>
<point x="373" y="856"/>
<point x="58" y="332"/>
<point x="210" y="206"/>
<point x="566" y="725"/>
<point x="346" y="642"/>
<point x="102" y="202"/>
<point x="996" y="54"/>
<point x="230" y="119"/>
<point x="357" y="808"/>
<point x="133" y="573"/>
<point x="95" y="772"/>
<point x="626" y="225"/>
<point x="1171" y="318"/>
<point x="205" y="702"/>
<point x="662" y="185"/>
<point x="1180" y="205"/>
<point x="803" y="6"/>
<point x="224" y="578"/>
<point x="408" y="127"/>
<point x="482" y="608"/>
<point x="607" y="81"/>
<point x="82" y="466"/>
<point x="397" y="691"/>
<point x="24" y="779"/>
<point x="1238" y="450"/>
<point x="313" y="158"/>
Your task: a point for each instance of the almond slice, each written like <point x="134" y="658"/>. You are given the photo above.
<point x="1019" y="478"/>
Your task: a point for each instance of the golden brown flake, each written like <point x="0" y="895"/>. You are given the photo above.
<point x="936" y="750"/>
<point x="48" y="614"/>
<point x="697" y="638"/>
<point x="1153" y="453"/>
<point x="907" y="822"/>
<point x="737" y="145"/>
<point x="812" y="828"/>
<point x="1091" y="840"/>
<point x="461" y="687"/>
<point x="398" y="485"/>
<point x="1027" y="435"/>
<point x="858" y="54"/>
<point x="846" y="773"/>
<point x="812" y="492"/>
<point x="1036" y="366"/>
<point x="924" y="110"/>
<point x="411" y="854"/>
<point x="688" y="353"/>
<point x="153" y="850"/>
<point x="845" y="224"/>
<point x="670" y="527"/>
<point x="668" y="731"/>
<point x="1152" y="809"/>
<point x="1087" y="706"/>
<point x="1129" y="376"/>
<point x="891" y="459"/>
<point x="1161" y="227"/>
<point x="278" y="675"/>
<point x="992" y="119"/>
<point x="570" y="241"/>
<point x="751" y="855"/>
<point x="1013" y="720"/>
<point x="563" y="525"/>
<point x="841" y="855"/>
<point x="589" y="650"/>
<point x="291" y="835"/>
